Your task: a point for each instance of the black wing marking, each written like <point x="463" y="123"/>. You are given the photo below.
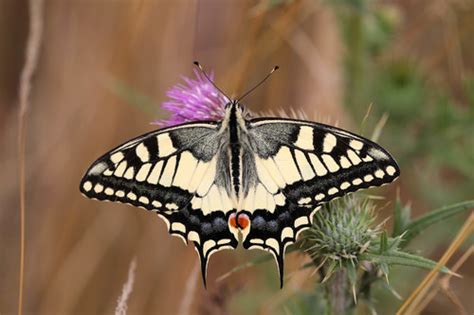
<point x="302" y="165"/>
<point x="274" y="231"/>
<point x="176" y="172"/>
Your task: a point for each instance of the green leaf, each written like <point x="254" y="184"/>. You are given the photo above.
<point x="432" y="217"/>
<point x="330" y="270"/>
<point x="351" y="274"/>
<point x="401" y="218"/>
<point x="383" y="242"/>
<point x="394" y="242"/>
<point x="390" y="289"/>
<point x="385" y="270"/>
<point x="403" y="259"/>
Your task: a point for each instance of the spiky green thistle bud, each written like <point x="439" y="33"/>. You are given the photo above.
<point x="342" y="230"/>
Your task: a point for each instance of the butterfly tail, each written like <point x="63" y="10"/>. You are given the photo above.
<point x="280" y="260"/>
<point x="204" y="259"/>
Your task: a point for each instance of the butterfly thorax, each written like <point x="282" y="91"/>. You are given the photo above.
<point x="234" y="123"/>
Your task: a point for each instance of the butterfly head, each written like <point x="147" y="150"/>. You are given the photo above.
<point x="237" y="110"/>
<point x="235" y="105"/>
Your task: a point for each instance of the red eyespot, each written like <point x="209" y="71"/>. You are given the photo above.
<point x="243" y="220"/>
<point x="232" y="221"/>
<point x="239" y="221"/>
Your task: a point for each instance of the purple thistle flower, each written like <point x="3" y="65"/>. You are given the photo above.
<point x="193" y="101"/>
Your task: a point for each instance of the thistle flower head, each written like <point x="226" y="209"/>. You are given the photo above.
<point x="196" y="99"/>
<point x="342" y="230"/>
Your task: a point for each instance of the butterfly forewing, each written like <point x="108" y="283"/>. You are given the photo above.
<point x="314" y="162"/>
<point x="176" y="172"/>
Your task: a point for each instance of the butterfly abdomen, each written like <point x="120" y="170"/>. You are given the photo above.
<point x="235" y="151"/>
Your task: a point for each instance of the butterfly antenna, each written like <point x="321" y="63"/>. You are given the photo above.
<point x="258" y="84"/>
<point x="198" y="65"/>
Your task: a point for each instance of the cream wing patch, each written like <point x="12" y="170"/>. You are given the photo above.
<point x="187" y="165"/>
<point x="168" y="172"/>
<point x="318" y="166"/>
<point x="305" y="138"/>
<point x="165" y="145"/>
<point x="265" y="177"/>
<point x="286" y="165"/>
<point x="207" y="178"/>
<point x="303" y="164"/>
<point x="329" y="142"/>
<point x="270" y="166"/>
<point x="259" y="198"/>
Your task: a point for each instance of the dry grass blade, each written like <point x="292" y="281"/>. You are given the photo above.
<point x="444" y="282"/>
<point x="379" y="127"/>
<point x="421" y="291"/>
<point x="266" y="43"/>
<point x="364" y="120"/>
<point x="233" y="270"/>
<point x="294" y="285"/>
<point x="31" y="61"/>
<point x="189" y="290"/>
<point x="126" y="290"/>
<point x="455" y="300"/>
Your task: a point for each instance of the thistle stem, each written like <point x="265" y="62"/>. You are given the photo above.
<point x="340" y="300"/>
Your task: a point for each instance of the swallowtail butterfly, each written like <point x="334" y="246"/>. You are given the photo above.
<point x="262" y="178"/>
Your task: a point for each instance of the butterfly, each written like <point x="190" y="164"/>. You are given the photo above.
<point x="261" y="179"/>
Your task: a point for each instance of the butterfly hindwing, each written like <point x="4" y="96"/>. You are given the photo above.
<point x="274" y="231"/>
<point x="301" y="165"/>
<point x="176" y="172"/>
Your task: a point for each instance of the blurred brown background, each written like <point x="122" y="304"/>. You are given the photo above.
<point x="78" y="251"/>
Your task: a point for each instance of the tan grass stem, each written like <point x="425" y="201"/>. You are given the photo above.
<point x="189" y="291"/>
<point x="443" y="283"/>
<point x="127" y="289"/>
<point x="421" y="291"/>
<point x="31" y="61"/>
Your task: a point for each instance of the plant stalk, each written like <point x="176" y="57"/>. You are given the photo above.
<point x="340" y="300"/>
